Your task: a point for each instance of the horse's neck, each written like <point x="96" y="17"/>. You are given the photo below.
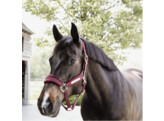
<point x="97" y="88"/>
<point x="108" y="95"/>
<point x="104" y="88"/>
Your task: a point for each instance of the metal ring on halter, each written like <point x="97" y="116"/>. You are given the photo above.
<point x="63" y="88"/>
<point x="84" y="80"/>
<point x="69" y="109"/>
<point x="86" y="58"/>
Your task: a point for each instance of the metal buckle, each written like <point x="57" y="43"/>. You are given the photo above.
<point x="63" y="88"/>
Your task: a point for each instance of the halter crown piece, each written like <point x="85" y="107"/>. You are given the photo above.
<point x="64" y="86"/>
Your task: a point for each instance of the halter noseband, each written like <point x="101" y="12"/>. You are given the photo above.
<point x="64" y="86"/>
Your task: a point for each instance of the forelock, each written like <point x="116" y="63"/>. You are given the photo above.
<point x="65" y="42"/>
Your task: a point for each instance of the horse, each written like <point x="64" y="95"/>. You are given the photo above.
<point x="110" y="94"/>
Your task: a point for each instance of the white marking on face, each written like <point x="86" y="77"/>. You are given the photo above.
<point x="44" y="102"/>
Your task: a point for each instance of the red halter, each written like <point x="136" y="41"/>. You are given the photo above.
<point x="64" y="86"/>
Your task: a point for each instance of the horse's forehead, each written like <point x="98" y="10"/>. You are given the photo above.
<point x="66" y="49"/>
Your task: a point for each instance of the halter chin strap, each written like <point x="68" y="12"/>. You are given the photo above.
<point x="64" y="86"/>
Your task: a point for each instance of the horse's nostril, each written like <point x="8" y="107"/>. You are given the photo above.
<point x="46" y="109"/>
<point x="49" y="107"/>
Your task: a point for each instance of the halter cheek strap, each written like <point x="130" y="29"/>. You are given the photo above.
<point x="64" y="86"/>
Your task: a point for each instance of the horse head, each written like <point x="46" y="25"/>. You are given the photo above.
<point x="66" y="63"/>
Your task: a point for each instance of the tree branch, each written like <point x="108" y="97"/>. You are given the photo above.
<point x="68" y="14"/>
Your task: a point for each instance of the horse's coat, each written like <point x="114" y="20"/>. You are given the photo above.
<point x="109" y="93"/>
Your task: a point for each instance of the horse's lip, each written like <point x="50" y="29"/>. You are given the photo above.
<point x="54" y="114"/>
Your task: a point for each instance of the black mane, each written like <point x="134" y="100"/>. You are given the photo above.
<point x="96" y="54"/>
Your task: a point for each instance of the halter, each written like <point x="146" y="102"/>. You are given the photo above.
<point x="64" y="86"/>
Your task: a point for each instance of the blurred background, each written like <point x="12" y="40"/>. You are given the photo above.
<point x="113" y="25"/>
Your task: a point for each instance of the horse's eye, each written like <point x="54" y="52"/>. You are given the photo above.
<point x="72" y="61"/>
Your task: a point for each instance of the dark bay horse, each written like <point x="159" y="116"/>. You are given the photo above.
<point x="109" y="93"/>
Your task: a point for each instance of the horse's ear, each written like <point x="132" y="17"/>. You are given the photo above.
<point x="74" y="33"/>
<point x="56" y="33"/>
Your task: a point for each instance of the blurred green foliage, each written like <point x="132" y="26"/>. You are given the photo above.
<point x="110" y="24"/>
<point x="73" y="98"/>
<point x="40" y="66"/>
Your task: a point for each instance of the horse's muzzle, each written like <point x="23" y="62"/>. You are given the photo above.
<point x="48" y="109"/>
